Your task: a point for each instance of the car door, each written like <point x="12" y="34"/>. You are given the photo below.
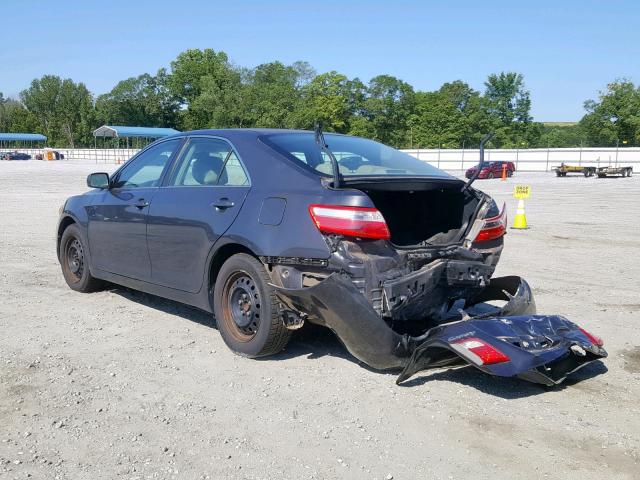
<point x="199" y="201"/>
<point x="118" y="216"/>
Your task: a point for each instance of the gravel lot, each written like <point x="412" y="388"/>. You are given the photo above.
<point x="123" y="384"/>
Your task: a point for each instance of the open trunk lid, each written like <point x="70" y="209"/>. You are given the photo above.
<point x="422" y="213"/>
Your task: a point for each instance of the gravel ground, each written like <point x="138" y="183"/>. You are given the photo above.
<point x="123" y="384"/>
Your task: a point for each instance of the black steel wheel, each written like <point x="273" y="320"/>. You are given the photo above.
<point x="74" y="256"/>
<point x="242" y="303"/>
<point x="74" y="260"/>
<point x="247" y="309"/>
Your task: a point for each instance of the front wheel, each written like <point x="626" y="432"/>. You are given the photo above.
<point x="74" y="262"/>
<point x="247" y="309"/>
<point x="490" y="175"/>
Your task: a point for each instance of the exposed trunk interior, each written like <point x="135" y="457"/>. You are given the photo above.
<point x="422" y="214"/>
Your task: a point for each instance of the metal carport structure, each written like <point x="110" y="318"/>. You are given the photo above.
<point x="20" y="140"/>
<point x="134" y="137"/>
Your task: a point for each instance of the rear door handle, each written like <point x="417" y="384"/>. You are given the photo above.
<point x="222" y="204"/>
<point x="141" y="203"/>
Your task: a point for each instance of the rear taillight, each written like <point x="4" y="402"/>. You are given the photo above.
<point x="493" y="227"/>
<point x="485" y="353"/>
<point x="592" y="338"/>
<point x="360" y="222"/>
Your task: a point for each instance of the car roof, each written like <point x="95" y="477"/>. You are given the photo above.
<point x="246" y="132"/>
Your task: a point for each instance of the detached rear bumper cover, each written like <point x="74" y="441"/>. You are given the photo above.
<point x="541" y="349"/>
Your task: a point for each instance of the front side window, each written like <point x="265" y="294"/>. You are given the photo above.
<point x="146" y="169"/>
<point x="355" y="156"/>
<point x="209" y="162"/>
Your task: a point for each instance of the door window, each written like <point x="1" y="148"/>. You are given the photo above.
<point x="146" y="169"/>
<point x="209" y="162"/>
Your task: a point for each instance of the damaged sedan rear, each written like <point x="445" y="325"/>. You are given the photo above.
<point x="271" y="229"/>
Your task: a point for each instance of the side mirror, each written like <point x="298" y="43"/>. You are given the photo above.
<point x="98" y="180"/>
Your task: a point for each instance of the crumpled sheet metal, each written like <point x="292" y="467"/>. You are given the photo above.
<point x="539" y="346"/>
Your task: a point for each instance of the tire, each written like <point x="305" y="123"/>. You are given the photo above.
<point x="509" y="173"/>
<point x="247" y="309"/>
<point x="490" y="175"/>
<point x="74" y="262"/>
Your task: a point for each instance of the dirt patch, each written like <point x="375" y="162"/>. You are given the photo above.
<point x="632" y="360"/>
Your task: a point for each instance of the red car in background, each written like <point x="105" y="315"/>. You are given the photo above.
<point x="492" y="170"/>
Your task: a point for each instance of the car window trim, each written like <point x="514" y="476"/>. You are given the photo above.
<point x="183" y="151"/>
<point x="116" y="175"/>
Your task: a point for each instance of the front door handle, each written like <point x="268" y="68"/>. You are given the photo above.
<point x="141" y="203"/>
<point x="222" y="204"/>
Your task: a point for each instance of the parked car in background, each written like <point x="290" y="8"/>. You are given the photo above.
<point x="15" y="156"/>
<point x="492" y="170"/>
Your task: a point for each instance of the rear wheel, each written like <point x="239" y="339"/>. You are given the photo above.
<point x="247" y="309"/>
<point x="74" y="262"/>
<point x="509" y="173"/>
<point x="490" y="175"/>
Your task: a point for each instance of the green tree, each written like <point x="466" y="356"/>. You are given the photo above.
<point x="452" y="117"/>
<point x="142" y="101"/>
<point x="63" y="109"/>
<point x="509" y="104"/>
<point x="15" y="118"/>
<point x="388" y="107"/>
<point x="332" y="99"/>
<point x="615" y="118"/>
<point x="271" y="95"/>
<point x="207" y="86"/>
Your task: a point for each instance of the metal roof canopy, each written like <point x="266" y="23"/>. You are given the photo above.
<point x="143" y="132"/>
<point x="22" y="137"/>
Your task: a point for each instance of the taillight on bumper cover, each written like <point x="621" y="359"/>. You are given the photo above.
<point x="595" y="340"/>
<point x="362" y="222"/>
<point x="493" y="227"/>
<point x="479" y="351"/>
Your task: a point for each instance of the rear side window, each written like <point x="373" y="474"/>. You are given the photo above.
<point x="209" y="162"/>
<point x="146" y="169"/>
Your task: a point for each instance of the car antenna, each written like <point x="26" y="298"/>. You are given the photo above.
<point x="484" y="140"/>
<point x="317" y="129"/>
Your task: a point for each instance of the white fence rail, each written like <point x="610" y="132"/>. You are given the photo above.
<point x="530" y="160"/>
<point x="526" y="160"/>
<point x="85" y="155"/>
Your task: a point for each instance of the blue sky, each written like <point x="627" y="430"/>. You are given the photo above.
<point x="566" y="50"/>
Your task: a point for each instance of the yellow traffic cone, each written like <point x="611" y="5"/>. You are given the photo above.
<point x="520" y="220"/>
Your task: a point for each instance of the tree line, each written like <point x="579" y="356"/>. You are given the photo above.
<point x="204" y="89"/>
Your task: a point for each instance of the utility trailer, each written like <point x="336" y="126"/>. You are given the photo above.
<point x="563" y="169"/>
<point x="614" y="171"/>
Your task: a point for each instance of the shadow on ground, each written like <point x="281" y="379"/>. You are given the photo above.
<point x="507" y="388"/>
<point x="314" y="341"/>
